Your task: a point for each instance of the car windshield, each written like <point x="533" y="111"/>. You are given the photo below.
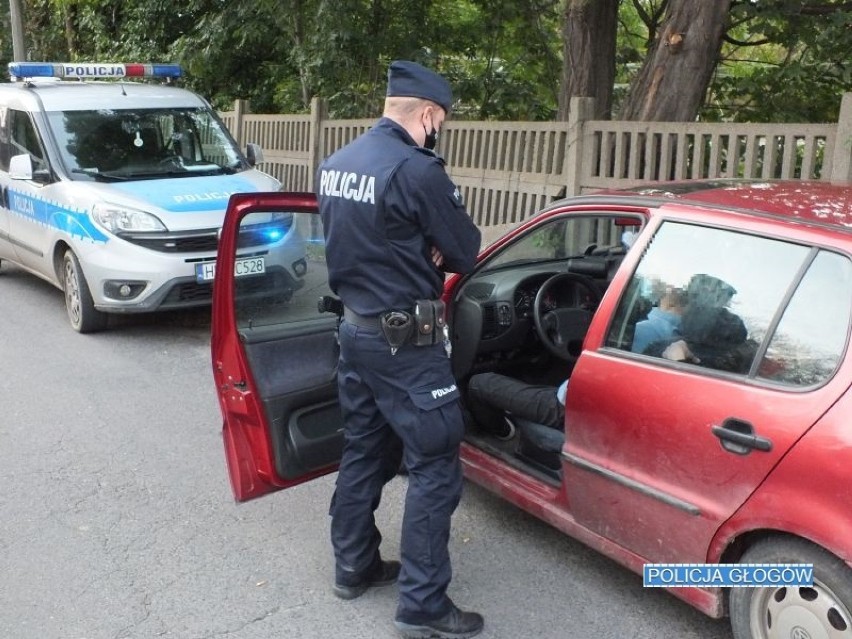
<point x="127" y="144"/>
<point x="577" y="236"/>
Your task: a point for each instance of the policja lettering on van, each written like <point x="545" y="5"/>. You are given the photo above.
<point x="200" y="197"/>
<point x="91" y="70"/>
<point x="21" y="204"/>
<point x="342" y="184"/>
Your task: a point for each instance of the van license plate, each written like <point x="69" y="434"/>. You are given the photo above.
<point x="247" y="266"/>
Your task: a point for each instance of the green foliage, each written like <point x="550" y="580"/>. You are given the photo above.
<point x="786" y="61"/>
<point x="511" y="69"/>
<point x="503" y="57"/>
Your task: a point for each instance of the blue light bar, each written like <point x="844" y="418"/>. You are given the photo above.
<point x="102" y="70"/>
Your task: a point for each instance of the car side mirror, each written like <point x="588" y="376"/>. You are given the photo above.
<point x="254" y="154"/>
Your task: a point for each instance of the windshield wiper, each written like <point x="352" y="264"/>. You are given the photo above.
<point x="188" y="171"/>
<point x="182" y="172"/>
<point x="100" y="175"/>
<point x="208" y="167"/>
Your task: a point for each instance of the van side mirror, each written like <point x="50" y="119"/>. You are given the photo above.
<point x="21" y="167"/>
<point x="254" y="154"/>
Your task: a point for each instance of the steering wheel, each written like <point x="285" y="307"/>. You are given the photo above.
<point x="562" y="329"/>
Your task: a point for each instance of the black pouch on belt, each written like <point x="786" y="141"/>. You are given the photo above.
<point x="397" y="326"/>
<point x="429" y="322"/>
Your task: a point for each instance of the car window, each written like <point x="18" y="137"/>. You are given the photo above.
<point x="24" y="139"/>
<point x="572" y="236"/>
<point x="4" y="139"/>
<point x="706" y="296"/>
<point x="280" y="269"/>
<point x="811" y="337"/>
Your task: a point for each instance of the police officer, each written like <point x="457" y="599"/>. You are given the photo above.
<point x="393" y="222"/>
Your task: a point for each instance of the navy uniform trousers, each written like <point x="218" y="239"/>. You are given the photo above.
<point x="410" y="397"/>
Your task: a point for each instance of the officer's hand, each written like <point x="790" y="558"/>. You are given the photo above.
<point x="437" y="257"/>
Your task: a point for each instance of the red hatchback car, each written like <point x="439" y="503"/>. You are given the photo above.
<point x="728" y="440"/>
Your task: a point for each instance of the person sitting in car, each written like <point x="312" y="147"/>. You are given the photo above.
<point x="663" y="321"/>
<point x="491" y="397"/>
<point x="710" y="334"/>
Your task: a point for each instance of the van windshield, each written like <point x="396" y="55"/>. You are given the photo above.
<point x="142" y="144"/>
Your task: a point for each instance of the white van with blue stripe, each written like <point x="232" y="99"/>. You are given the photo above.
<point x="115" y="192"/>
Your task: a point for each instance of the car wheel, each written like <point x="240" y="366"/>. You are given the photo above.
<point x="823" y="611"/>
<point x="84" y="317"/>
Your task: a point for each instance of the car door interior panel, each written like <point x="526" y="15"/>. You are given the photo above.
<point x="299" y="398"/>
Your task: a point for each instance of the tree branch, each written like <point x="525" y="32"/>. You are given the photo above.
<point x="643" y="15"/>
<point x="745" y="43"/>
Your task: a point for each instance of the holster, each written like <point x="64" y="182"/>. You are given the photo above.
<point x="429" y="322"/>
<point x="396" y="326"/>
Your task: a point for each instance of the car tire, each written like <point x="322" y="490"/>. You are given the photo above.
<point x="82" y="314"/>
<point x="820" y="612"/>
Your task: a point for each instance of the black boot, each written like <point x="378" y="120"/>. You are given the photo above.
<point x="385" y="576"/>
<point x="456" y="624"/>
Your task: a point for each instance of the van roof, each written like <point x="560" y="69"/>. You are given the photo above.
<point x="83" y="96"/>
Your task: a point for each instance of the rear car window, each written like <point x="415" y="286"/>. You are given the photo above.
<point x="811" y="337"/>
<point x="729" y="301"/>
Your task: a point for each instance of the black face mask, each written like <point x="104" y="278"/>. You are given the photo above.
<point x="431" y="138"/>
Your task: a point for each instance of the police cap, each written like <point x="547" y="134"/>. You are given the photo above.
<point x="412" y="80"/>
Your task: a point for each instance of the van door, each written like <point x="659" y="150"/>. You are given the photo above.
<point x="6" y="250"/>
<point x="29" y="212"/>
<point x="274" y="352"/>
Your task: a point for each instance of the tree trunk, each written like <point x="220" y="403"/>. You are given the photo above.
<point x="71" y="35"/>
<point x="672" y="84"/>
<point x="588" y="46"/>
<point x="299" y="51"/>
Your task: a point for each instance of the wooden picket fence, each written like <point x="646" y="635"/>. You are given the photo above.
<point x="508" y="170"/>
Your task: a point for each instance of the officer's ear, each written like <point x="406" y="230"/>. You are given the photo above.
<point x="427" y="116"/>
<point x="433" y="115"/>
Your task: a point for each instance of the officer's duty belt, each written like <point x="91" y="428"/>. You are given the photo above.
<point x="424" y="327"/>
<point x="373" y="323"/>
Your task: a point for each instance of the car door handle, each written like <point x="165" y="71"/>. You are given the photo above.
<point x="738" y="437"/>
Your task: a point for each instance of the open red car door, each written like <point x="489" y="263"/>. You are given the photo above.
<point x="274" y="352"/>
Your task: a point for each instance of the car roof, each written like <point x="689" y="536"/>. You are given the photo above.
<point x="81" y="96"/>
<point x="821" y="203"/>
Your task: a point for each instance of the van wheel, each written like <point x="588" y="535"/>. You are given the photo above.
<point x="820" y="612"/>
<point x="84" y="317"/>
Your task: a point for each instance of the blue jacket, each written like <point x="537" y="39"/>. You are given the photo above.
<point x="385" y="202"/>
<point x="659" y="325"/>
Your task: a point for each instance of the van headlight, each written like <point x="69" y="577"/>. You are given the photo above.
<point x="119" y="219"/>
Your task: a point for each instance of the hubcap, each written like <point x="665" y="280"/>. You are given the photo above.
<point x="72" y="292"/>
<point x="799" y="613"/>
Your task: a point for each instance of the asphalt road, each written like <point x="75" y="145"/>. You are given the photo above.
<point x="116" y="518"/>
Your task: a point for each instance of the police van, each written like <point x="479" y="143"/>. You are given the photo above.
<point x="115" y="191"/>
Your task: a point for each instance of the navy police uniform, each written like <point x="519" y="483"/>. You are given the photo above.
<point x="385" y="203"/>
